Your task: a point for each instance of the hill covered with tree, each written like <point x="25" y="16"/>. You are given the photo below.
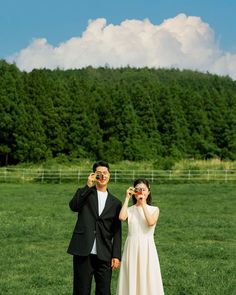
<point x="115" y="114"/>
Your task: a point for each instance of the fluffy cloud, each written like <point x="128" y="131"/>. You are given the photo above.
<point x="180" y="42"/>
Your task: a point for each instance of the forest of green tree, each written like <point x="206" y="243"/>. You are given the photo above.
<point x="115" y="114"/>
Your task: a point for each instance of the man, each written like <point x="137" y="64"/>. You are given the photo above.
<point x="96" y="240"/>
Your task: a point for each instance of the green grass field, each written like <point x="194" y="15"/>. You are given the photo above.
<point x="195" y="238"/>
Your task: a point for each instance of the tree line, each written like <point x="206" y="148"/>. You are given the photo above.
<point x="115" y="114"/>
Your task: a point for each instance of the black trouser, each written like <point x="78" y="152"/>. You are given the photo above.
<point x="85" y="267"/>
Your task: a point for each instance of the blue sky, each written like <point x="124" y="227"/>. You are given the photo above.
<point x="22" y="21"/>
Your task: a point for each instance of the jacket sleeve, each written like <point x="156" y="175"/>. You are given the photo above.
<point x="116" y="251"/>
<point x="79" y="199"/>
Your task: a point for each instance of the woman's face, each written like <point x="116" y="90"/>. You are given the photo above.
<point x="142" y="191"/>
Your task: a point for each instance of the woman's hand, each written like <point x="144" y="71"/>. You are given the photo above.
<point x="141" y="200"/>
<point x="129" y="192"/>
<point x="123" y="212"/>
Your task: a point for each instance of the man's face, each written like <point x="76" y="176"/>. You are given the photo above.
<point x="102" y="176"/>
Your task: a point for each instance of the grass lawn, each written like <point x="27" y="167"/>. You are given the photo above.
<point x="195" y="238"/>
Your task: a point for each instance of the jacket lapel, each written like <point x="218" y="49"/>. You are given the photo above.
<point x="94" y="202"/>
<point x="108" y="204"/>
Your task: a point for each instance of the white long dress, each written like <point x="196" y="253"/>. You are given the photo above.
<point x="140" y="270"/>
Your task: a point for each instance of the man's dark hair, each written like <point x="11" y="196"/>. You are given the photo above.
<point x="102" y="164"/>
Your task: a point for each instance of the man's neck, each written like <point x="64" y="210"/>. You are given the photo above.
<point x="101" y="188"/>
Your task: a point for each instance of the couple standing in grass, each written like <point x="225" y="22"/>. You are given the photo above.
<point x="96" y="239"/>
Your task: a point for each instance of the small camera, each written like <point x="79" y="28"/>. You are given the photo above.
<point x="99" y="176"/>
<point x="137" y="191"/>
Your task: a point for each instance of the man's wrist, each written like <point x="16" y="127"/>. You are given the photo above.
<point x="89" y="183"/>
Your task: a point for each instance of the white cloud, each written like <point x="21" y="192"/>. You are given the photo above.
<point x="180" y="42"/>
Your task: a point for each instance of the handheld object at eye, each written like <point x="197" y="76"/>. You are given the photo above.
<point x="138" y="192"/>
<point x="100" y="176"/>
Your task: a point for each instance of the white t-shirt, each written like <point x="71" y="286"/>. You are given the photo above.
<point x="102" y="197"/>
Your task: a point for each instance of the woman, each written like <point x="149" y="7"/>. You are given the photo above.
<point x="140" y="270"/>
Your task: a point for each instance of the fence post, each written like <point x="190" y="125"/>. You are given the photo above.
<point x="78" y="175"/>
<point x="115" y="176"/>
<point x="170" y="174"/>
<point x="23" y="176"/>
<point x="133" y="175"/>
<point x="60" y="175"/>
<point x="5" y="174"/>
<point x="189" y="174"/>
<point x="152" y="176"/>
<point x="226" y="175"/>
<point x="42" y="176"/>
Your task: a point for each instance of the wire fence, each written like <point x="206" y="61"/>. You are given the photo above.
<point x="79" y="175"/>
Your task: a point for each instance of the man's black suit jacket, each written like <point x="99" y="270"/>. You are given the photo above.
<point x="106" y="228"/>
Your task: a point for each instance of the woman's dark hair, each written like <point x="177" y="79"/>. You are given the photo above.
<point x="145" y="181"/>
<point x="102" y="164"/>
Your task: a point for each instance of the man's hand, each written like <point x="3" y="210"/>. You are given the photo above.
<point x="91" y="179"/>
<point x="115" y="263"/>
